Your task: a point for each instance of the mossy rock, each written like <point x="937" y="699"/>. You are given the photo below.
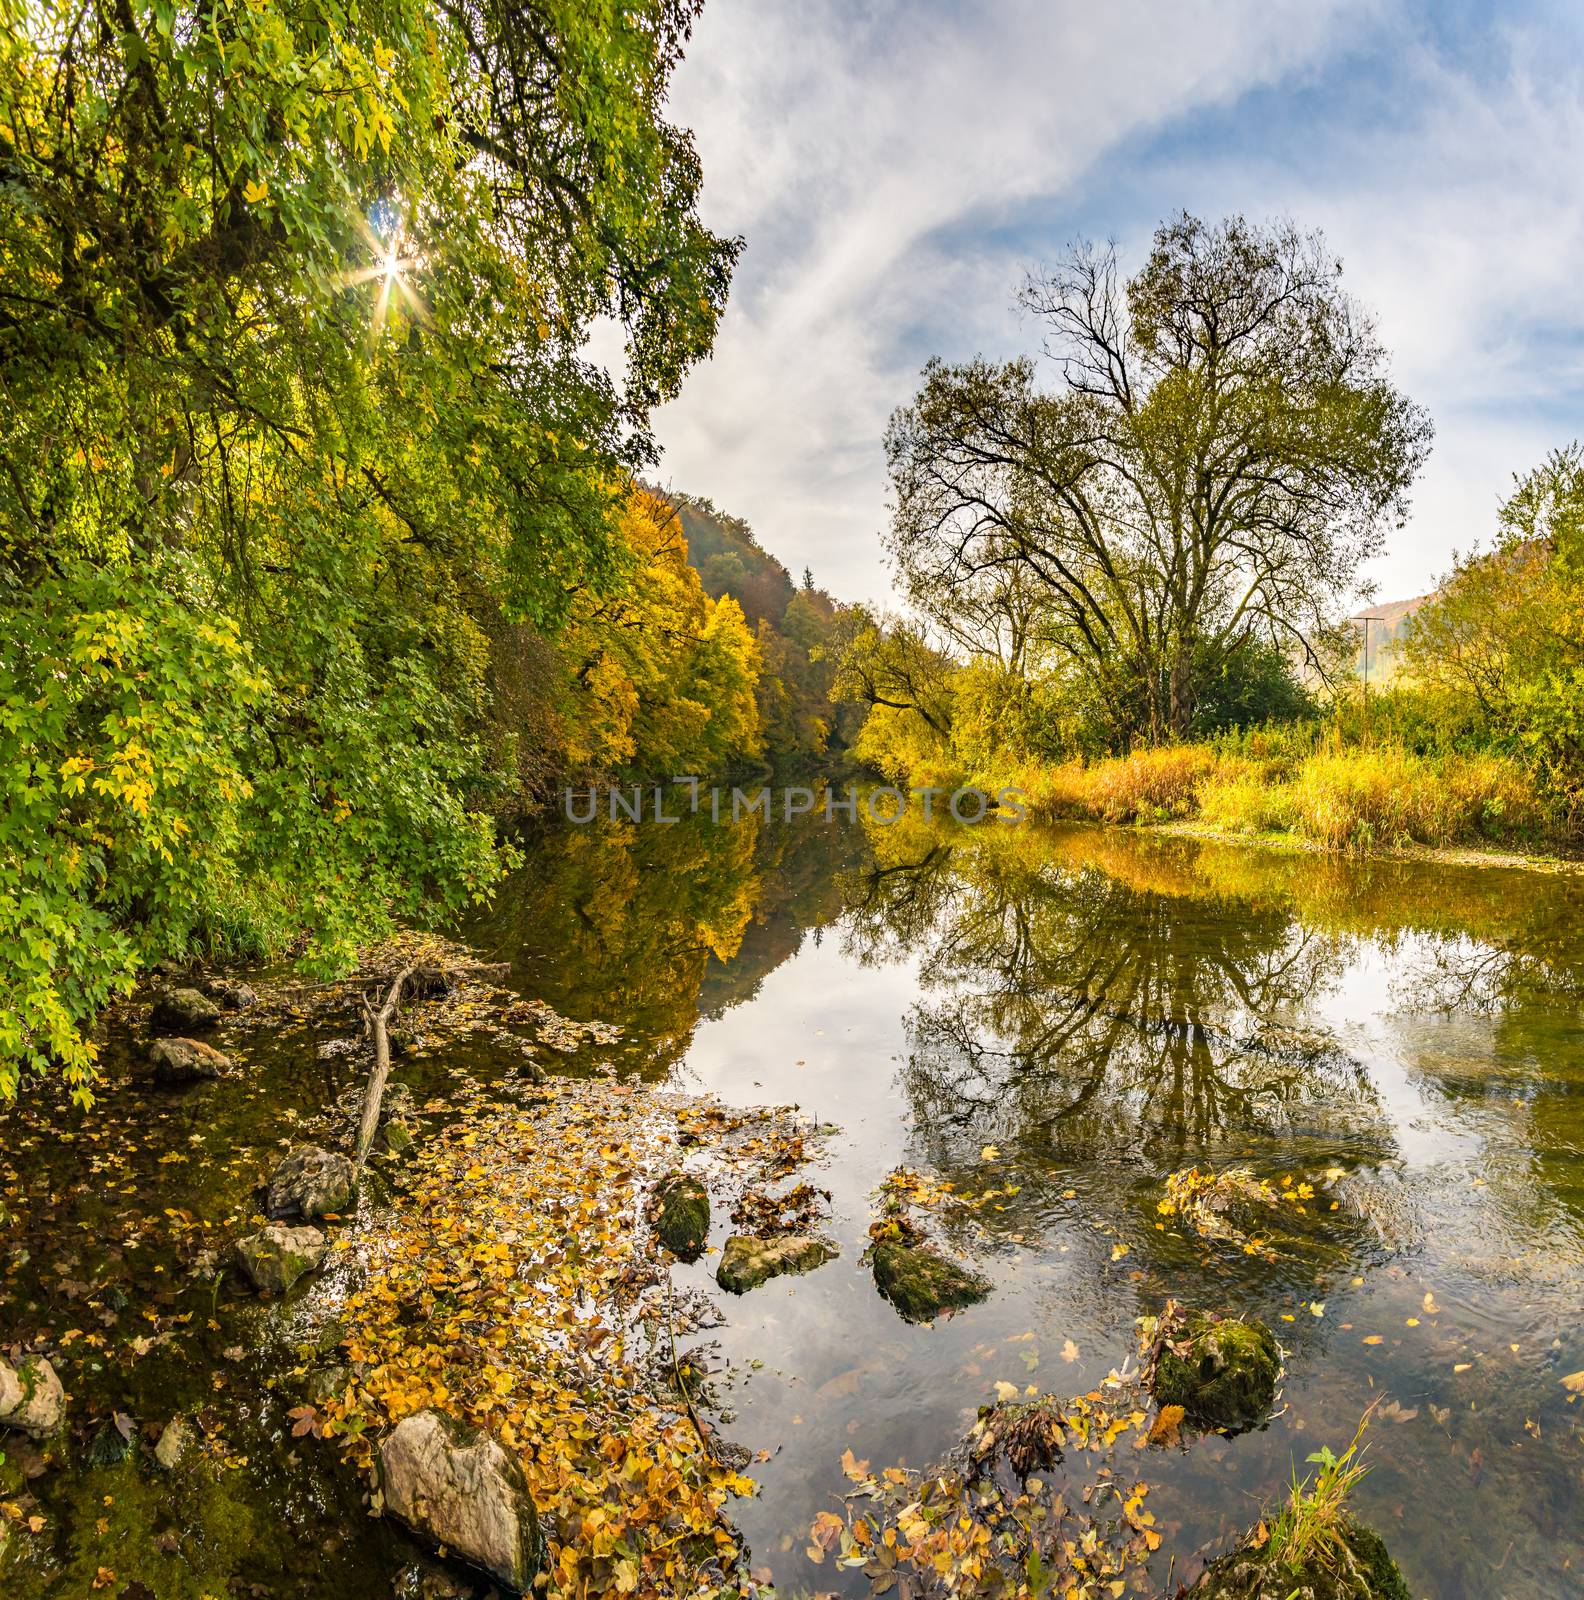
<point x="682" y="1215"/>
<point x="746" y="1262"/>
<point x="1248" y="1573"/>
<point x="1221" y="1371"/>
<point x="921" y="1283"/>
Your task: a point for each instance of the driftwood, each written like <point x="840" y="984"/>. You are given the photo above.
<point x="378" y="1025"/>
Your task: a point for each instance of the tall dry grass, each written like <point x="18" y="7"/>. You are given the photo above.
<point x="1380" y="797"/>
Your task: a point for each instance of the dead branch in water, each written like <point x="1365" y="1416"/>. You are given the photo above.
<point x="378" y="1025"/>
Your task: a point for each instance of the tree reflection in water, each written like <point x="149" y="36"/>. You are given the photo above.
<point x="1071" y="1010"/>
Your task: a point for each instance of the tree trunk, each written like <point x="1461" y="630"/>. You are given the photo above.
<point x="378" y="1024"/>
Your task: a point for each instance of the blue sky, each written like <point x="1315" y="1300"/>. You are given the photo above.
<point x="895" y="169"/>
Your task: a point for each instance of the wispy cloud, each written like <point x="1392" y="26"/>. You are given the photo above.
<point x="895" y="167"/>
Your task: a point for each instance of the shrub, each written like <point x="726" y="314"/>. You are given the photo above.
<point x="1369" y="798"/>
<point x="1243" y="797"/>
<point x="1150" y="784"/>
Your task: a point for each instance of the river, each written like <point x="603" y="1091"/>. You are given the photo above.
<point x="1063" y="1015"/>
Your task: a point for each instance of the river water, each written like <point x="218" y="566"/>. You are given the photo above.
<point x="1067" y="1016"/>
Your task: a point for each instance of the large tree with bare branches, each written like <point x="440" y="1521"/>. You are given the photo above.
<point x="1222" y="451"/>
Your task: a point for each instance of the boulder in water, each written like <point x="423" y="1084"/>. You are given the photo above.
<point x="31" y="1397"/>
<point x="312" y="1183"/>
<point x="1220" y="1370"/>
<point x="1356" y="1565"/>
<point x="456" y="1485"/>
<point x="682" y="1215"/>
<point x="274" y="1258"/>
<point x="179" y="1061"/>
<point x="231" y="993"/>
<point x="746" y="1262"/>
<point x="184" y="1010"/>
<point x="920" y="1282"/>
<point x="176" y="1438"/>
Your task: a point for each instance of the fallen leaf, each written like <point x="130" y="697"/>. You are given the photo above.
<point x="1166" y="1430"/>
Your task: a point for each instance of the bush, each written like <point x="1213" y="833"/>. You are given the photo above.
<point x="1244" y="798"/>
<point x="1150" y="785"/>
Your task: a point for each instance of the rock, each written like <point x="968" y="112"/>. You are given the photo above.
<point x="1362" y="1569"/>
<point x="1221" y="1371"/>
<point x="178" y="1061"/>
<point x="1030" y="1433"/>
<point x="312" y="1183"/>
<point x="920" y="1282"/>
<point x="176" y="1438"/>
<point x="183" y="1011"/>
<point x="456" y="1485"/>
<point x="274" y="1258"/>
<point x="31" y="1397"/>
<point x="231" y="993"/>
<point x="398" y="1137"/>
<point x="682" y="1215"/>
<point x="747" y="1262"/>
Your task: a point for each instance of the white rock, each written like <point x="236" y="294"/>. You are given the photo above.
<point x="31" y="1397"/>
<point x="457" y="1486"/>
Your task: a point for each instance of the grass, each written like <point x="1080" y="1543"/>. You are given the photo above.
<point x="1342" y="798"/>
<point x="1311" y="1530"/>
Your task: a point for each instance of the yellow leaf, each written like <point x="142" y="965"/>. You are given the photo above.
<point x="1575" y="1382"/>
<point x="254" y="190"/>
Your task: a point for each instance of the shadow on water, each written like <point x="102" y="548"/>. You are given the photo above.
<point x="1065" y="1016"/>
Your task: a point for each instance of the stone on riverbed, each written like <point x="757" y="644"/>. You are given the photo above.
<point x="921" y="1283"/>
<point x="746" y="1262"/>
<point x="1360" y="1568"/>
<point x="312" y="1183"/>
<point x="183" y="1011"/>
<point x="682" y="1215"/>
<point x="176" y="1438"/>
<point x="31" y="1397"/>
<point x="456" y="1485"/>
<point x="274" y="1258"/>
<point x="1221" y="1371"/>
<point x="231" y="993"/>
<point x="178" y="1061"/>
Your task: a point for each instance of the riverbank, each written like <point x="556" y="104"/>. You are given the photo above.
<point x="1360" y="800"/>
<point x="1445" y="855"/>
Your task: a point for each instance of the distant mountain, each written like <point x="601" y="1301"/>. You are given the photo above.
<point x="1383" y="630"/>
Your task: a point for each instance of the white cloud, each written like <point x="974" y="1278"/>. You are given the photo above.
<point x="837" y="139"/>
<point x="844" y="142"/>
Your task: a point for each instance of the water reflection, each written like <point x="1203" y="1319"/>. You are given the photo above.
<point x="1095" y="1009"/>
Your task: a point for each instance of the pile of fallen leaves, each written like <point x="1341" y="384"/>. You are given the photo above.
<point x="509" y="1286"/>
<point x="1032" y="1505"/>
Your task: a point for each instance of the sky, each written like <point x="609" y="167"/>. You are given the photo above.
<point x="897" y="168"/>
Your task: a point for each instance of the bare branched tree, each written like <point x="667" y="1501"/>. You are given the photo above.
<point x="1223" y="451"/>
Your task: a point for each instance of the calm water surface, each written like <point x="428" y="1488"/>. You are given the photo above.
<point x="1098" y="1008"/>
<point x="1102" y="1008"/>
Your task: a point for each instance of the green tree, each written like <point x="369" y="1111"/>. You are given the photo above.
<point x="291" y="299"/>
<point x="1505" y="632"/>
<point x="1223" y="450"/>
